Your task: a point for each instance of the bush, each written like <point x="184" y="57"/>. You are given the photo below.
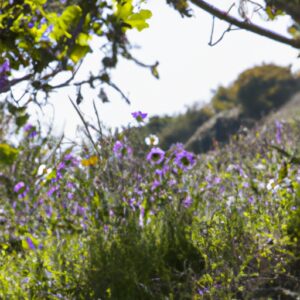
<point x="264" y="88"/>
<point x="156" y="262"/>
<point x="224" y="98"/>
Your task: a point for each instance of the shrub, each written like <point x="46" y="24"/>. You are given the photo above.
<point x="263" y="88"/>
<point x="155" y="262"/>
<point x="224" y="98"/>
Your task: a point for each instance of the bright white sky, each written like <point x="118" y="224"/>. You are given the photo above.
<point x="189" y="69"/>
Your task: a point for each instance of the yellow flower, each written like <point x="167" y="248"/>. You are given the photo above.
<point x="91" y="161"/>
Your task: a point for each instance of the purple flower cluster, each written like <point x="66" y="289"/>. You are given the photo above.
<point x="69" y="161"/>
<point x="4" y="70"/>
<point x="30" y="130"/>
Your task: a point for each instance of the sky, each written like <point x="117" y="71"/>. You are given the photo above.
<point x="189" y="68"/>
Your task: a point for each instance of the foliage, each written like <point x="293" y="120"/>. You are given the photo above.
<point x="224" y="98"/>
<point x="263" y="88"/>
<point x="258" y="90"/>
<point x="44" y="38"/>
<point x="117" y="222"/>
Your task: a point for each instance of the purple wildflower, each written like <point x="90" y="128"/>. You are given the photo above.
<point x="155" y="185"/>
<point x="138" y="191"/>
<point x="117" y="149"/>
<point x="70" y="185"/>
<point x="20" y="185"/>
<point x="45" y="36"/>
<point x="5" y="67"/>
<point x="30" y="243"/>
<point x="49" y="211"/>
<point x="187" y="202"/>
<point x="141" y="217"/>
<point x="43" y="20"/>
<point x="71" y="160"/>
<point x="81" y="210"/>
<point x="156" y="155"/>
<point x="3" y="83"/>
<point x="61" y="166"/>
<point x="111" y="213"/>
<point x="222" y="189"/>
<point x="246" y="185"/>
<point x="159" y="172"/>
<point x="251" y="200"/>
<point x="52" y="190"/>
<point x="172" y="182"/>
<point x="57" y="177"/>
<point x="131" y="202"/>
<point x="121" y="150"/>
<point x="217" y="180"/>
<point x="30" y="130"/>
<point x="30" y="25"/>
<point x="68" y="157"/>
<point x="139" y="116"/>
<point x="278" y="131"/>
<point x="70" y="195"/>
<point x="21" y="189"/>
<point x="185" y="160"/>
<point x="105" y="228"/>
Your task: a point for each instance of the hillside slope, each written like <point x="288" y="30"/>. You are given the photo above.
<point x="221" y="127"/>
<point x="291" y="110"/>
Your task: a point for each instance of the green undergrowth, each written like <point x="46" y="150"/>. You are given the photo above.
<point x="113" y="222"/>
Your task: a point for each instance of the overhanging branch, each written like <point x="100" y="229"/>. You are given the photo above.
<point x="295" y="43"/>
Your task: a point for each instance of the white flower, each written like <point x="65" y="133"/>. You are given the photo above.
<point x="152" y="140"/>
<point x="230" y="168"/>
<point x="270" y="184"/>
<point x="41" y="170"/>
<point x="230" y="200"/>
<point x="260" y="167"/>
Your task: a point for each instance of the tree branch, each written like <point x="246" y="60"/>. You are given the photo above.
<point x="295" y="43"/>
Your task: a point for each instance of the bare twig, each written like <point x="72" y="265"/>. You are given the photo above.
<point x="86" y="126"/>
<point x="91" y="80"/>
<point x="295" y="43"/>
<point x="98" y="119"/>
<point x="67" y="82"/>
<point x="115" y="87"/>
<point x="211" y="43"/>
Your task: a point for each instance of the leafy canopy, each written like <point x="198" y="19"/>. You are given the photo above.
<point x="43" y="38"/>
